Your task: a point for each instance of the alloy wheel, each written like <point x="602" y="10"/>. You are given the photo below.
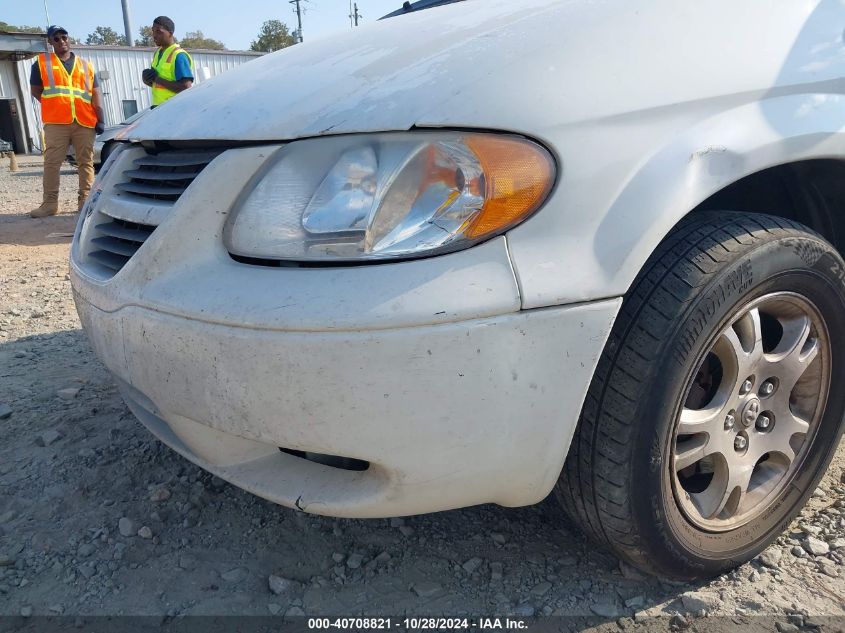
<point x="751" y="412"/>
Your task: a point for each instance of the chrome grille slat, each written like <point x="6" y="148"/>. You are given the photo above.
<point x="176" y="159"/>
<point x="143" y="174"/>
<point x="117" y="228"/>
<point x="118" y="240"/>
<point x="136" y="209"/>
<point x="132" y="209"/>
<point x="109" y="260"/>
<point x="164" y="176"/>
<point x="114" y="245"/>
<point x="143" y="189"/>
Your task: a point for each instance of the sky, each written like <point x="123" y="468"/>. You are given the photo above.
<point x="235" y="23"/>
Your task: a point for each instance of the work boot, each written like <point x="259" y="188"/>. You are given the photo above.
<point x="46" y="208"/>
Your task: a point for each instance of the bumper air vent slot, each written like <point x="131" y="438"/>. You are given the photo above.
<point x="334" y="461"/>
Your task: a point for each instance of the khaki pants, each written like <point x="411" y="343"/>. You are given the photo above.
<point x="58" y="138"/>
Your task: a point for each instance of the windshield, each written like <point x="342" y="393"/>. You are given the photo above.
<point x="409" y="7"/>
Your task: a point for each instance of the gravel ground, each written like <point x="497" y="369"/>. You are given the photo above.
<point x="99" y="518"/>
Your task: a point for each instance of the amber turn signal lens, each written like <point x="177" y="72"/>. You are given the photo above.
<point x="518" y="176"/>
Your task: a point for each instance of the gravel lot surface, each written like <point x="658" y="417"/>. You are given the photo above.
<point x="97" y="517"/>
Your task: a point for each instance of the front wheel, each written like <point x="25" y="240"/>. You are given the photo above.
<point x="711" y="416"/>
<point x="104" y="156"/>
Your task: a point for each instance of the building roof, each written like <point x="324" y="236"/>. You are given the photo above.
<point x="150" y="49"/>
<point x="15" y="45"/>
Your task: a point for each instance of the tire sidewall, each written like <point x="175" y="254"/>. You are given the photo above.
<point x="104" y="155"/>
<point x="799" y="263"/>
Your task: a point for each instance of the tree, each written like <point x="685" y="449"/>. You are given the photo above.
<point x="273" y="35"/>
<point x="5" y="26"/>
<point x="11" y="28"/>
<point x="195" y="39"/>
<point x="105" y="36"/>
<point x="145" y="37"/>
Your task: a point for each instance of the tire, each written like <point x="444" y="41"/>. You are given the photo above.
<point x="705" y="350"/>
<point x="104" y="156"/>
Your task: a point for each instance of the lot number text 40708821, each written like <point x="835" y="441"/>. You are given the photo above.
<point x="418" y="624"/>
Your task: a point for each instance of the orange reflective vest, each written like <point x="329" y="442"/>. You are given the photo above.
<point x="67" y="97"/>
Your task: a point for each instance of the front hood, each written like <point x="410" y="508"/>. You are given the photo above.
<point x="525" y="66"/>
<point x="389" y="75"/>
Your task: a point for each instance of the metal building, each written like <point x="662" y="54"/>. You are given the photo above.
<point x="14" y="96"/>
<point x="118" y="71"/>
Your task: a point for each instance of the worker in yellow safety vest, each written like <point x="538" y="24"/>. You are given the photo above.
<point x="172" y="70"/>
<point x="72" y="113"/>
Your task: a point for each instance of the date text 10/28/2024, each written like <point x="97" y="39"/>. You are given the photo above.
<point x="417" y="624"/>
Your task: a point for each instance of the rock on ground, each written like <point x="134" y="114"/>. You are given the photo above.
<point x="280" y="586"/>
<point x="695" y="601"/>
<point x="815" y="546"/>
<point x="126" y="527"/>
<point x="771" y="557"/>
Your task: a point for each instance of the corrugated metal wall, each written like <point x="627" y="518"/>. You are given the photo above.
<point x="9" y="90"/>
<point x="8" y="86"/>
<point x="124" y="66"/>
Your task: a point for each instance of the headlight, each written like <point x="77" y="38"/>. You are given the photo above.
<point x="388" y="196"/>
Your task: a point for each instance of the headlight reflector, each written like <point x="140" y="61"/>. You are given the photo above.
<point x="389" y="196"/>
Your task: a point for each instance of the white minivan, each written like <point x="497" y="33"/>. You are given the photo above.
<point x="480" y="252"/>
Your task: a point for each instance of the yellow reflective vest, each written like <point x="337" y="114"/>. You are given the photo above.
<point x="164" y="63"/>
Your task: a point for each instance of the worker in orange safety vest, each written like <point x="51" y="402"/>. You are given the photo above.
<point x="72" y="113"/>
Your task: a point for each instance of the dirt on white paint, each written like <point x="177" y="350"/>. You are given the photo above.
<point x="99" y="518"/>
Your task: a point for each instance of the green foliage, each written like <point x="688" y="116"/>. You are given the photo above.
<point x="11" y="28"/>
<point x="5" y="26"/>
<point x="273" y="35"/>
<point x="196" y="39"/>
<point x="105" y="36"/>
<point x="145" y="37"/>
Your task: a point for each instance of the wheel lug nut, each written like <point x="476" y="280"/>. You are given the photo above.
<point x="767" y="388"/>
<point x="729" y="422"/>
<point x="746" y="387"/>
<point x="763" y="423"/>
<point x="740" y="443"/>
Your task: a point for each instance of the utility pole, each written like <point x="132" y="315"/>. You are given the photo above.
<point x="298" y="18"/>
<point x="127" y="23"/>
<point x="354" y="15"/>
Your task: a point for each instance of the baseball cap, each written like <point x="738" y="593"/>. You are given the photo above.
<point x="52" y="30"/>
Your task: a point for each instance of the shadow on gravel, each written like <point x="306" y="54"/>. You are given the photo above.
<point x="30" y="171"/>
<point x="97" y="517"/>
<point x="22" y="230"/>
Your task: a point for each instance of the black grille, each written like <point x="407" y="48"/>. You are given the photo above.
<point x="117" y="242"/>
<point x="166" y="175"/>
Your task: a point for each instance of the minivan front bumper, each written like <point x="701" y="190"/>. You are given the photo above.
<point x="427" y="370"/>
<point x="447" y="416"/>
